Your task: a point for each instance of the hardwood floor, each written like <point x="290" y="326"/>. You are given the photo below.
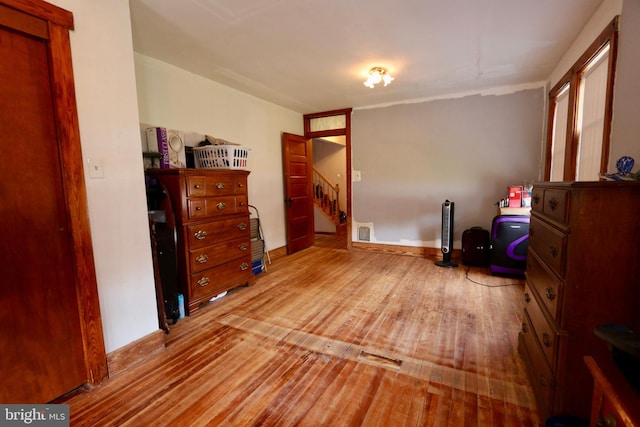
<point x="333" y="241"/>
<point x="332" y="337"/>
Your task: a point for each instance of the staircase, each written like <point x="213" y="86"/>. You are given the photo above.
<point x="326" y="197"/>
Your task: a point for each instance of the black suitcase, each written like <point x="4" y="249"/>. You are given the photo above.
<point x="475" y="247"/>
<point x="509" y="244"/>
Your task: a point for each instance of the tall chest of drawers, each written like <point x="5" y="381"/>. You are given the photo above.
<point x="211" y="214"/>
<point x="582" y="271"/>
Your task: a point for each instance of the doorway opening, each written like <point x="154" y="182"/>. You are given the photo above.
<point x="331" y="135"/>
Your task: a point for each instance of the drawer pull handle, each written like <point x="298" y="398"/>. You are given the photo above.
<point x="202" y="258"/>
<point x="550" y="294"/>
<point x="198" y="208"/>
<point x="553" y="251"/>
<point x="535" y="199"/>
<point x="244" y="266"/>
<point x="546" y="339"/>
<point x="203" y="282"/>
<point x="542" y="380"/>
<point x="527" y="298"/>
<point x="607" y="421"/>
<point x="221" y="205"/>
<point x="220" y="185"/>
<point x="243" y="247"/>
<point x="241" y="203"/>
<point x="240" y="185"/>
<point x="242" y="226"/>
<point x="200" y="235"/>
<point x="525" y="328"/>
<point x="553" y="204"/>
<point x="196" y="186"/>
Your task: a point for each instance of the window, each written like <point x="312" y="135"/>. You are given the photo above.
<point x="580" y="114"/>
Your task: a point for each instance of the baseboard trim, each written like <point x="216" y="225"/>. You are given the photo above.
<point x="416" y="251"/>
<point x="135" y="352"/>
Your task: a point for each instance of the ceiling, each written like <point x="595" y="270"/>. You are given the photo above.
<point x="311" y="55"/>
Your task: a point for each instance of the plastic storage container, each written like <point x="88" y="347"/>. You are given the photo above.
<point x="221" y="157"/>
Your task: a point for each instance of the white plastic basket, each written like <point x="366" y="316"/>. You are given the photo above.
<point x="221" y="157"/>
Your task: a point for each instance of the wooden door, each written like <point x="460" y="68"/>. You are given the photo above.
<point x="42" y="331"/>
<point x="298" y="178"/>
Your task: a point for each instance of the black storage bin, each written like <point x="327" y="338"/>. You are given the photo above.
<point x="475" y="247"/>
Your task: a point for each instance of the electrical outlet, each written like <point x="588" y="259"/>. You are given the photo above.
<point x="357" y="176"/>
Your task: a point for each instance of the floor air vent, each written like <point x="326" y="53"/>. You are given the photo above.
<point x="364" y="234"/>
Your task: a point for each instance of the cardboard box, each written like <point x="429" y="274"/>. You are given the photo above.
<point x="514" y="211"/>
<point x="515" y="196"/>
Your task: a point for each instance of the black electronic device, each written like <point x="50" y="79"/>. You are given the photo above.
<point x="447" y="235"/>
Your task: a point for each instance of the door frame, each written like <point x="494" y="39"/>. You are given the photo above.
<point x="346" y="132"/>
<point x="57" y="23"/>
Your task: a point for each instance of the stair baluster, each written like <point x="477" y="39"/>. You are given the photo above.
<point x="327" y="197"/>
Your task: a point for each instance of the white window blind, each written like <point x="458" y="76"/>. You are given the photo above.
<point x="559" y="135"/>
<point x="591" y="115"/>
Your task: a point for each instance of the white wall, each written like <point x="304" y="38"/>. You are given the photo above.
<point x="413" y="157"/>
<point x="103" y="67"/>
<point x="625" y="133"/>
<point x="177" y="99"/>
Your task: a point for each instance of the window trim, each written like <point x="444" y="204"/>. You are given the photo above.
<point x="572" y="77"/>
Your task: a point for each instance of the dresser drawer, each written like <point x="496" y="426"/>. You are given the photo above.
<point x="216" y="206"/>
<point x="220" y="278"/>
<point x="546" y="284"/>
<point x="549" y="243"/>
<point x="207" y="234"/>
<point x="542" y="377"/>
<point x="545" y="332"/>
<point x="551" y="202"/>
<point x="210" y="256"/>
<point x="198" y="186"/>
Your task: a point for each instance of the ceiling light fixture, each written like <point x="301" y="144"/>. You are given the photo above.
<point x="377" y="75"/>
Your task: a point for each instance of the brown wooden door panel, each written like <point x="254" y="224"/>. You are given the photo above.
<point x="42" y="353"/>
<point x="298" y="166"/>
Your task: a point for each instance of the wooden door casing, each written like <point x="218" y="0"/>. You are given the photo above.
<point x="51" y="319"/>
<point x="298" y="177"/>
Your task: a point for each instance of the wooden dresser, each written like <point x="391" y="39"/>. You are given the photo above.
<point x="582" y="271"/>
<point x="210" y="209"/>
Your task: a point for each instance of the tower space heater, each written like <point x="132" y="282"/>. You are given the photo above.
<point x="447" y="235"/>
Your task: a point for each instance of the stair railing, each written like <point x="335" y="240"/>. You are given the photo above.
<point x="326" y="196"/>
